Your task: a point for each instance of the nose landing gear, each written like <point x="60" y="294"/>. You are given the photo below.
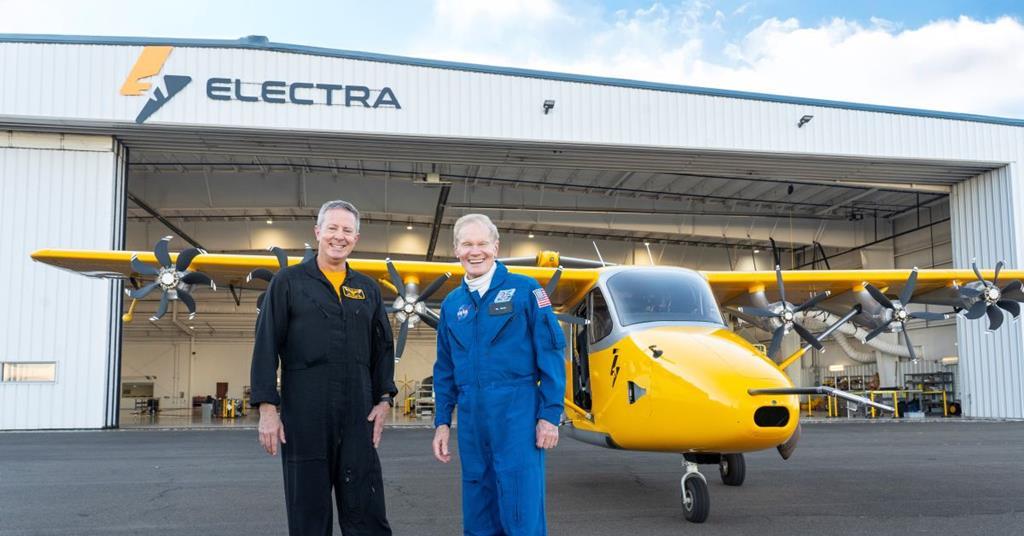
<point x="693" y="489"/>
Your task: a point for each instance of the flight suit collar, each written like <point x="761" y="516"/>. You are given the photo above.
<point x="498" y="279"/>
<point x="312" y="269"/>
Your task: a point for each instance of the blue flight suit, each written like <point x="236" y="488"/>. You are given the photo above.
<point x="491" y="353"/>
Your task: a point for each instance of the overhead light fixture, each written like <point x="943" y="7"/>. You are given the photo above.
<point x="804" y="120"/>
<point x="950" y="360"/>
<point x="549" y="105"/>
<point x="408" y="227"/>
<point x="531" y="235"/>
<point x="647" y="243"/>
<point x="270" y="222"/>
<point x="757" y="250"/>
<point x="835" y="368"/>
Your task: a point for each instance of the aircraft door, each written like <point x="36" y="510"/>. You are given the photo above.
<point x="581" y="395"/>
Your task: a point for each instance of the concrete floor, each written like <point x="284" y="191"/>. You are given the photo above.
<point x="949" y="477"/>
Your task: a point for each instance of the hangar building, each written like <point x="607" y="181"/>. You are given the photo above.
<point x="112" y="143"/>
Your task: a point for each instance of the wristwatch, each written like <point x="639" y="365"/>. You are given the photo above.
<point x="388" y="399"/>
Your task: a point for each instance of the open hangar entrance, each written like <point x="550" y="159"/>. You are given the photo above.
<point x="705" y="210"/>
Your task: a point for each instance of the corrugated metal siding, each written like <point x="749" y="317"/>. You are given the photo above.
<point x="985" y="222"/>
<point x="64" y="199"/>
<point x="81" y="82"/>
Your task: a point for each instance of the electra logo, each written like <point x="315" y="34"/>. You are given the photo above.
<point x="149" y="64"/>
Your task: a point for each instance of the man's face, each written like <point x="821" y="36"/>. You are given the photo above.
<point x="475" y="250"/>
<point x="336" y="236"/>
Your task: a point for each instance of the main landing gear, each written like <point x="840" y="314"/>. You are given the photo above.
<point x="693" y="487"/>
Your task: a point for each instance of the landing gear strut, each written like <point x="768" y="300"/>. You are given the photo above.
<point x="693" y="488"/>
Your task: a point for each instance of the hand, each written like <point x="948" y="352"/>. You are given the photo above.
<point x="377" y="416"/>
<point x="270" y="429"/>
<point x="441" y="435"/>
<point x="547" y="434"/>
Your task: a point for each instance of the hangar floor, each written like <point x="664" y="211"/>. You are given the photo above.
<point x="955" y="477"/>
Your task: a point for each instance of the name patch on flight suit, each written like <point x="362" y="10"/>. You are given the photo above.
<point x="353" y="293"/>
<point x="497" y="309"/>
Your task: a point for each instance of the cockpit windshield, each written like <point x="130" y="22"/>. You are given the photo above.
<point x="662" y="295"/>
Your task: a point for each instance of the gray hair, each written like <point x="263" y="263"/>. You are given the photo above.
<point x="337" y="204"/>
<point x="474" y="218"/>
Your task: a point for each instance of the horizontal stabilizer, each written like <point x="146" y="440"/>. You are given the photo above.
<point x="821" y="390"/>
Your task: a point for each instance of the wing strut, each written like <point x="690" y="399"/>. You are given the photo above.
<point x="821" y="390"/>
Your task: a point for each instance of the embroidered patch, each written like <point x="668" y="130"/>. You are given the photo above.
<point x="542" y="298"/>
<point x="353" y="293"/>
<point x="463" y="312"/>
<point x="505" y="295"/>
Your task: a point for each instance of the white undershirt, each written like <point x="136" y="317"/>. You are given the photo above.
<point x="482" y="283"/>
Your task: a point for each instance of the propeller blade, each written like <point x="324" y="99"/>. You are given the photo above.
<point x="976" y="311"/>
<point x="309" y="254"/>
<point x="572" y="319"/>
<point x="924" y="315"/>
<point x="1013" y="291"/>
<point x="189" y="302"/>
<point x="196" y="278"/>
<point x="969" y="293"/>
<point x="138" y="294"/>
<point x="775" y="252"/>
<point x="160" y="250"/>
<point x="142" y="268"/>
<point x="396" y="279"/>
<point x="402" y="334"/>
<point x="430" y="318"/>
<point x="777" y="335"/>
<point x="160" y="311"/>
<point x="260" y="273"/>
<point x="282" y="256"/>
<point x="908" y="288"/>
<point x="434" y="285"/>
<point x="910" y="346"/>
<point x="999" y="266"/>
<point x="995" y="317"/>
<point x="1011" y="307"/>
<point x="806" y="335"/>
<point x="757" y="311"/>
<point x="977" y="272"/>
<point x="877" y="331"/>
<point x="878" y="296"/>
<point x="185" y="258"/>
<point x="391" y="309"/>
<point x="553" y="282"/>
<point x="778" y="279"/>
<point x="812" y="302"/>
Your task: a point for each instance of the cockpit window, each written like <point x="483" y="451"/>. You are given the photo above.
<point x="662" y="295"/>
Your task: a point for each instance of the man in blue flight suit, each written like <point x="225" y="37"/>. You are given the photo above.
<point x="324" y="324"/>
<point x="500" y="361"/>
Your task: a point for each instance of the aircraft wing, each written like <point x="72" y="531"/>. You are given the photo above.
<point x="935" y="287"/>
<point x="226" y="269"/>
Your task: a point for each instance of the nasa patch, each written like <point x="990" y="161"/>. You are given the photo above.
<point x="463" y="312"/>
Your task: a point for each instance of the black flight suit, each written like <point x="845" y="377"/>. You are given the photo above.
<point x="337" y="361"/>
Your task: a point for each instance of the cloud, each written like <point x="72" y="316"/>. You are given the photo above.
<point x="962" y="65"/>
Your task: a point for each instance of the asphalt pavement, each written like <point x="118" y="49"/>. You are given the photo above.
<point x="953" y="477"/>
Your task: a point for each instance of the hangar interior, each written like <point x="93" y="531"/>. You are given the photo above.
<point x="703" y="210"/>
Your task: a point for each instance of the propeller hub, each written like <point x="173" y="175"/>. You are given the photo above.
<point x="902" y="315"/>
<point x="408" y="309"/>
<point x="787" y="316"/>
<point x="992" y="294"/>
<point x="168" y="279"/>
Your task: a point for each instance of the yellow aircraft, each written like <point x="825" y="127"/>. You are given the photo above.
<point x="652" y="365"/>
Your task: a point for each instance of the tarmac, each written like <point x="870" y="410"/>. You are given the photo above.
<point x="894" y="477"/>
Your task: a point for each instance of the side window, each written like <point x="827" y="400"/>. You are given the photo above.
<point x="600" y="317"/>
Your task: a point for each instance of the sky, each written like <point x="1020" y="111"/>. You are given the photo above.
<point x="956" y="56"/>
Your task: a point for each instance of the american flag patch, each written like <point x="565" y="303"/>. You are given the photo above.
<point x="542" y="298"/>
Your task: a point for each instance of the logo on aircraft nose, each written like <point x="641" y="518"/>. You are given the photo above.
<point x="149" y="64"/>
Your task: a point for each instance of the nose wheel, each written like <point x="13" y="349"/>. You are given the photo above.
<point x="694" y="495"/>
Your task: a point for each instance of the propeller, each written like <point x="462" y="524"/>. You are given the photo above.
<point x="550" y="290"/>
<point x="264" y="274"/>
<point x="174" y="280"/>
<point x="410" y="307"/>
<point x="784" y="313"/>
<point x="899" y="316"/>
<point x="987" y="298"/>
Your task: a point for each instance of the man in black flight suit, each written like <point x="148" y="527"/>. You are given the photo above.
<point x="325" y="323"/>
